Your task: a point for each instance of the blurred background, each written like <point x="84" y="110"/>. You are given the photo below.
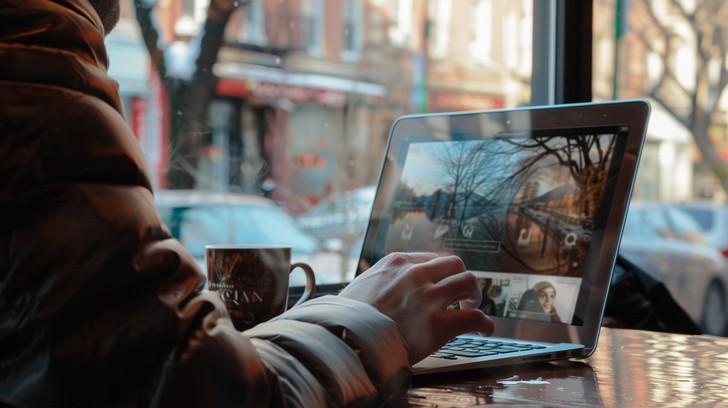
<point x="282" y="108"/>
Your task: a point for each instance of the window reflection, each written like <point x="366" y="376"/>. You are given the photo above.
<point x="304" y="92"/>
<point x="672" y="53"/>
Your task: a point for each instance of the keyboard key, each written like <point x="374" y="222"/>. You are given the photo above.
<point x="460" y="347"/>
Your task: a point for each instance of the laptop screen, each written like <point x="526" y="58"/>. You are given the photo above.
<point x="522" y="202"/>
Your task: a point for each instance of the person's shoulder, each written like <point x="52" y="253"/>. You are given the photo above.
<point x="96" y="114"/>
<point x="75" y="132"/>
<point x="55" y="106"/>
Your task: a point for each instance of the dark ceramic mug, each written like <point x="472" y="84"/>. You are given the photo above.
<point x="252" y="281"/>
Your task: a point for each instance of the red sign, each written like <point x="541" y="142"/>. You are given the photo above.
<point x="232" y="87"/>
<point x="272" y="91"/>
<point x="310" y="160"/>
<point x="139" y="118"/>
<point x="448" y="100"/>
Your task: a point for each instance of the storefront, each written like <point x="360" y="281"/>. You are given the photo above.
<point x="307" y="127"/>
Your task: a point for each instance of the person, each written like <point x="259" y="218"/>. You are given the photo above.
<point x="529" y="302"/>
<point x="99" y="306"/>
<point x="546" y="296"/>
<point x="488" y="304"/>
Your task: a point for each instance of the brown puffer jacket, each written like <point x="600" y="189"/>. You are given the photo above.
<point x="98" y="305"/>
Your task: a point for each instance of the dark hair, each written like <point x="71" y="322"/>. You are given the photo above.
<point x="529" y="302"/>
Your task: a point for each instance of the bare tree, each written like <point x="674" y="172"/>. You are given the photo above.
<point x="470" y="168"/>
<point x="688" y="35"/>
<point x="575" y="167"/>
<point x="189" y="97"/>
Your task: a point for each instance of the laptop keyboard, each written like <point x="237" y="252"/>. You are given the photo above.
<point x="469" y="347"/>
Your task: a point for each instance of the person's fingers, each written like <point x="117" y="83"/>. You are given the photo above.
<point x="462" y="286"/>
<point x="471" y="303"/>
<point x="454" y="322"/>
<point x="401" y="259"/>
<point x="392" y="266"/>
<point x="396" y="272"/>
<point x="447" y="325"/>
<point x="439" y="268"/>
<point x="418" y="257"/>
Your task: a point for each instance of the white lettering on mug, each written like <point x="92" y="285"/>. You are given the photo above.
<point x="240" y="296"/>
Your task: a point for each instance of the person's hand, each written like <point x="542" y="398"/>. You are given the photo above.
<point x="415" y="290"/>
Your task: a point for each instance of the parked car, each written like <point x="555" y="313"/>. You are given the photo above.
<point x="713" y="220"/>
<point x="201" y="218"/>
<point x="340" y="221"/>
<point x="341" y="214"/>
<point x="667" y="243"/>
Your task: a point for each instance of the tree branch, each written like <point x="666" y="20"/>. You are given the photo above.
<point x="150" y="33"/>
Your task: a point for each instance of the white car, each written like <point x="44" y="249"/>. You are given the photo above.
<point x="199" y="218"/>
<point x="713" y="220"/>
<point x="667" y="243"/>
<point x="341" y="214"/>
<point x="340" y="220"/>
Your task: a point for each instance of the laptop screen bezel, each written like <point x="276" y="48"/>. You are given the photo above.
<point x="633" y="114"/>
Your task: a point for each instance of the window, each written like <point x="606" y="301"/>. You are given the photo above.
<point x="304" y="94"/>
<point x="438" y="29"/>
<point x="399" y="21"/>
<point x="671" y="53"/>
<point x="482" y="43"/>
<point x="252" y="28"/>
<point x="312" y="25"/>
<point x="191" y="17"/>
<point x="352" y="21"/>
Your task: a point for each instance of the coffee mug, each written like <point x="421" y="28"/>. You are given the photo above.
<point x="252" y="281"/>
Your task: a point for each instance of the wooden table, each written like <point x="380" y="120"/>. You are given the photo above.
<point x="630" y="368"/>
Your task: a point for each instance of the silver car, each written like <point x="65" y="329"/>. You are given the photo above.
<point x="713" y="220"/>
<point x="199" y="218"/>
<point x="339" y="220"/>
<point x="341" y="215"/>
<point x="667" y="243"/>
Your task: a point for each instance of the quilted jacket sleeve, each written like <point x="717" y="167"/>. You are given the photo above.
<point x="312" y="356"/>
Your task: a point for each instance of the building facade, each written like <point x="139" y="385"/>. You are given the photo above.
<point x="307" y="89"/>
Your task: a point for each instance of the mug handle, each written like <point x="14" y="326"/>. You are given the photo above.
<point x="310" y="289"/>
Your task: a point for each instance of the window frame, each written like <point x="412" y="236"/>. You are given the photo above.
<point x="565" y="51"/>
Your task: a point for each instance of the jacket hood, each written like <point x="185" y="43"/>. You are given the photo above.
<point x="56" y="43"/>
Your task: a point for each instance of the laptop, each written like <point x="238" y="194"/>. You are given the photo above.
<point x="533" y="200"/>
